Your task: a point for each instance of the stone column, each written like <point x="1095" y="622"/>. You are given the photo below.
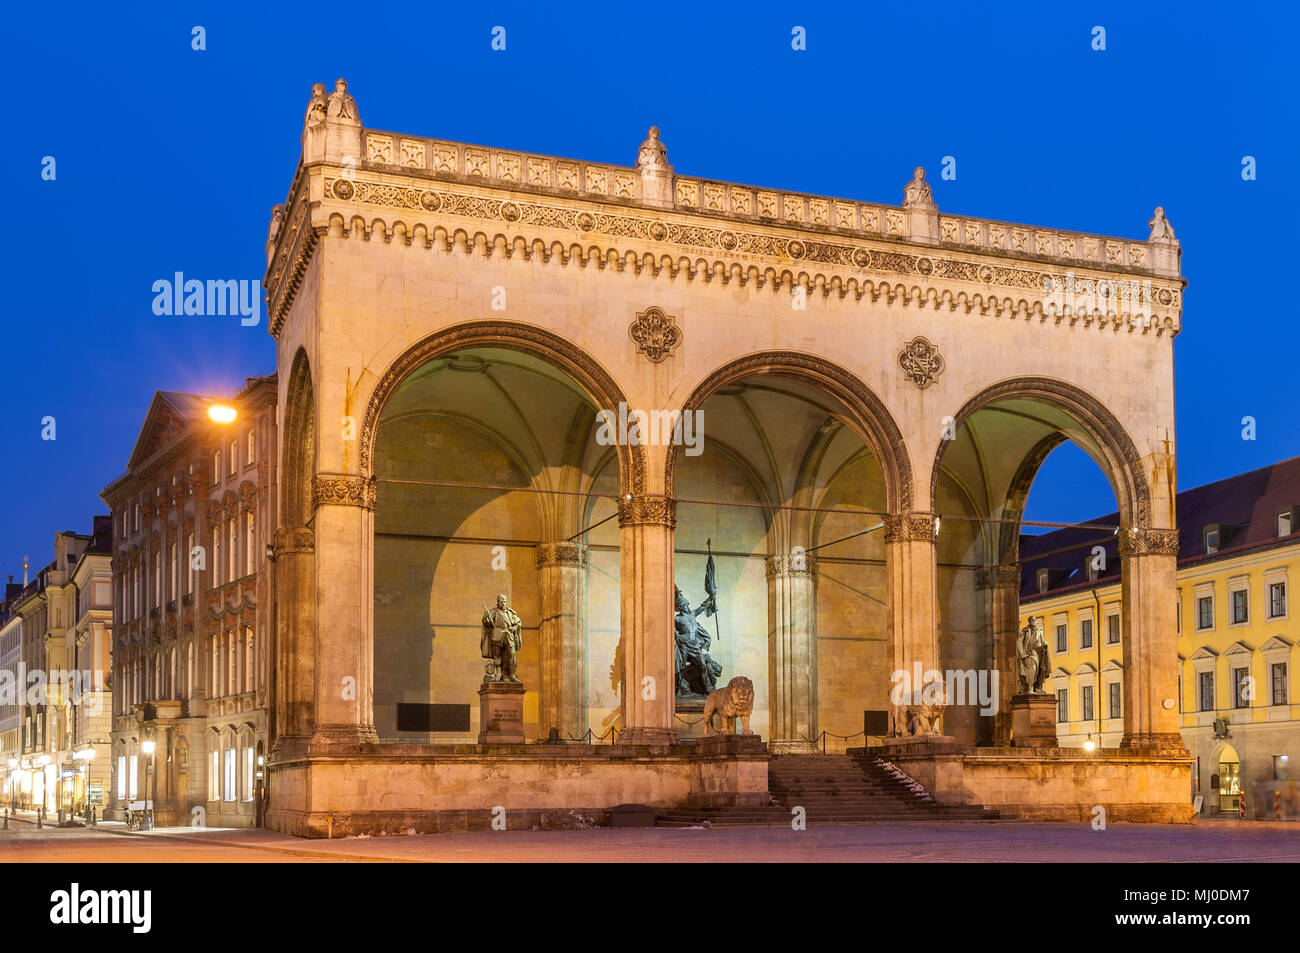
<point x="1000" y="587"/>
<point x="646" y="526"/>
<point x="913" y="630"/>
<point x="295" y="634"/>
<point x="1149" y="591"/>
<point x="562" y="638"/>
<point x="344" y="664"/>
<point x="792" y="653"/>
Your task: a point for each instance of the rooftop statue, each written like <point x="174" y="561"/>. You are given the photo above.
<point x="1160" y="227"/>
<point x="916" y="194"/>
<point x="341" y="105"/>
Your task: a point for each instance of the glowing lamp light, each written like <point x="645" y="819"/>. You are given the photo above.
<point x="1089" y="745"/>
<point x="222" y="414"/>
<point x="147" y="747"/>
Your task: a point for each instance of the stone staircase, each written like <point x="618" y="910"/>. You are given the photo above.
<point x="832" y="789"/>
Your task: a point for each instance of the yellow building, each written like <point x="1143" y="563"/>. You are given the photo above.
<point x="1236" y="643"/>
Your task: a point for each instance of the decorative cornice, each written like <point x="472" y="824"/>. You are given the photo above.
<point x="656" y="510"/>
<point x="1144" y="541"/>
<point x="734" y="252"/>
<point x="909" y="527"/>
<point x="343" y="491"/>
<point x="562" y="554"/>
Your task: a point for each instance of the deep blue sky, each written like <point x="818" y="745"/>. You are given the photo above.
<point x="170" y="160"/>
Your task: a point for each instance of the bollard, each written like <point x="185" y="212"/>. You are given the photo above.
<point x="330" y="831"/>
<point x="1277" y="805"/>
<point x="93" y="822"/>
<point x="6" y="827"/>
<point x="39" y="813"/>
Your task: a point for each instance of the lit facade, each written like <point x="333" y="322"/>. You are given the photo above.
<point x="1237" y="652"/>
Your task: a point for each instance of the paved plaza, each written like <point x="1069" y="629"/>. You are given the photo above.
<point x="975" y="843"/>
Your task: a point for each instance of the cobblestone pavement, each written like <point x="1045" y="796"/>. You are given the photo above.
<point x="1121" y="843"/>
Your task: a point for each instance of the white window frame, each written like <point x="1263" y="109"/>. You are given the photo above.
<point x="1238" y="584"/>
<point x="1273" y="576"/>
<point x="1205" y="591"/>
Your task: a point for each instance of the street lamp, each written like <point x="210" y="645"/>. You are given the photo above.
<point x="147" y="748"/>
<point x="222" y="413"/>
<point x="44" y="762"/>
<point x="13" y="785"/>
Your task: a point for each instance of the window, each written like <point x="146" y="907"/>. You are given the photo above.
<point x="189" y="669"/>
<point x="1276" y="599"/>
<point x="189" y="555"/>
<point x="216" y="467"/>
<point x="1085" y="634"/>
<point x="248" y="660"/>
<point x="1043" y="577"/>
<point x="1061" y="645"/>
<point x="1112" y="630"/>
<point x="1277" y="675"/>
<point x="1086" y="698"/>
<point x="133" y="786"/>
<point x="1211" y="540"/>
<point x="137" y="517"/>
<point x="157" y="579"/>
<point x="248" y="774"/>
<point x="216" y="556"/>
<point x="121" y="777"/>
<point x="234" y="455"/>
<point x="1240" y="681"/>
<point x="1239" y="606"/>
<point x="1062" y="705"/>
<point x="1115" y="710"/>
<point x="214" y="775"/>
<point x="1205" y="612"/>
<point x="1207" y="691"/>
<point x="232" y="664"/>
<point x="250" y="537"/>
<point x="230" y="774"/>
<point x="1284" y="522"/>
<point x="232" y="528"/>
<point x="251" y="455"/>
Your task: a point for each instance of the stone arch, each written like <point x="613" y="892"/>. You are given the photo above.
<point x="868" y="415"/>
<point x="1123" y="461"/>
<point x="298" y="465"/>
<point x="529" y="339"/>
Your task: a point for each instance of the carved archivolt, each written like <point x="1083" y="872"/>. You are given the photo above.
<point x="344" y="491"/>
<point x="657" y="510"/>
<point x="539" y="342"/>
<point x="874" y="423"/>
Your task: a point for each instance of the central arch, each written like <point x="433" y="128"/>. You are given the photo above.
<point x="867" y="413"/>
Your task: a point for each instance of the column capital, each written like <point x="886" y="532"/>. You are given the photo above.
<point x="795" y="564"/>
<point x="998" y="577"/>
<point x="299" y="540"/>
<point x="1144" y="541"/>
<point x="562" y="554"/>
<point x="656" y="510"/>
<point x="909" y="527"/>
<point x="343" y="490"/>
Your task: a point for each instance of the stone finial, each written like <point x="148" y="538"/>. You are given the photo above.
<point x="916" y="194"/>
<point x="652" y="154"/>
<point x="273" y="230"/>
<point x="341" y="107"/>
<point x="1161" y="230"/>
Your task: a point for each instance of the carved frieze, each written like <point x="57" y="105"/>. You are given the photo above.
<point x="913" y="527"/>
<point x="1144" y="541"/>
<point x="299" y="540"/>
<point x="795" y="563"/>
<point x="562" y="554"/>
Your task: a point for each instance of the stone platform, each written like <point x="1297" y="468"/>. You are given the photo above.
<point x="392" y="788"/>
<point x="1047" y="784"/>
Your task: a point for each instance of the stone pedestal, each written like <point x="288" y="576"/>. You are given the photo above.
<point x="501" y="713"/>
<point x="1033" y="721"/>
